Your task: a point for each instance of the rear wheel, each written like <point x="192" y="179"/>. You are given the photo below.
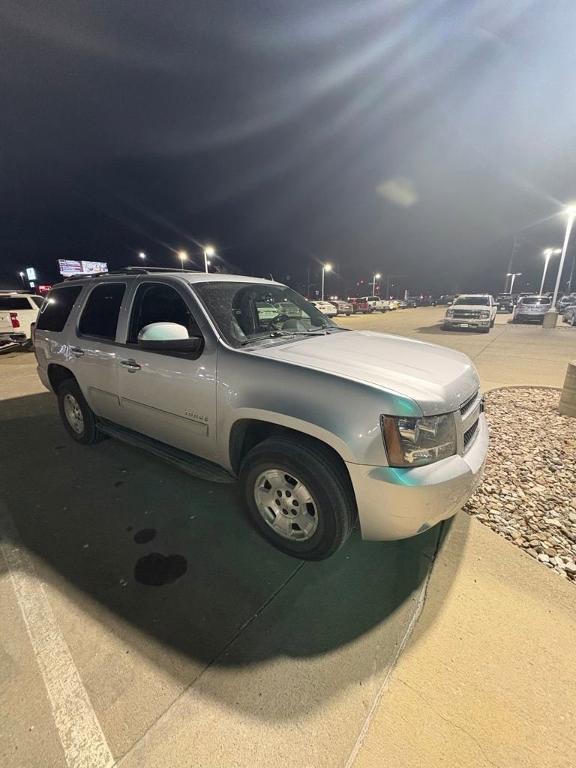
<point x="78" y="417"/>
<point x="299" y="497"/>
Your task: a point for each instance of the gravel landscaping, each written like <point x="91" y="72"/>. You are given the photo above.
<point x="529" y="489"/>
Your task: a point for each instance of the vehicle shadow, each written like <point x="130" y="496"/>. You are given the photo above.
<point x="91" y="513"/>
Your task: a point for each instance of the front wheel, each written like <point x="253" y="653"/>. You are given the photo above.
<point x="298" y="496"/>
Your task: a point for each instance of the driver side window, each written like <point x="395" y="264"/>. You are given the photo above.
<point x="159" y="303"/>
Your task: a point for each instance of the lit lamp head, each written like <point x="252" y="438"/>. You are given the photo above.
<point x="182" y="255"/>
<point x="209" y="250"/>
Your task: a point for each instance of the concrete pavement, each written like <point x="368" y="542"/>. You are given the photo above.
<point x="250" y="657"/>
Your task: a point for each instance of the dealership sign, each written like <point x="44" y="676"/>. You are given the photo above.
<point x="69" y="267"/>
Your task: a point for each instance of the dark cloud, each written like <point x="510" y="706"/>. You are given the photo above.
<point x="410" y="137"/>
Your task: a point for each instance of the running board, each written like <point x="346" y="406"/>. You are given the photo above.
<point x="193" y="465"/>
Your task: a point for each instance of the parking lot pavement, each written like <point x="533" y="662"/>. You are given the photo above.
<point x="247" y="655"/>
<point x="243" y="656"/>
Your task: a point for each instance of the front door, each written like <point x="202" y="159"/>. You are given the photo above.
<point x="170" y="398"/>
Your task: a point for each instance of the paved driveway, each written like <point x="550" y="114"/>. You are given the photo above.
<point x="247" y="657"/>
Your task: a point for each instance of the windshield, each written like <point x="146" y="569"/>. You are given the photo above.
<point x="473" y="301"/>
<point x="246" y="312"/>
<point x="537" y="300"/>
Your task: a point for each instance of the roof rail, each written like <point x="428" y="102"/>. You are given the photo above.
<point x="129" y="271"/>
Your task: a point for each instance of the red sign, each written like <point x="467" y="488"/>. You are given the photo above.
<point x="44" y="289"/>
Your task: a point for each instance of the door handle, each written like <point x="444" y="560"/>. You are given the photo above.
<point x="76" y="351"/>
<point x="132" y="365"/>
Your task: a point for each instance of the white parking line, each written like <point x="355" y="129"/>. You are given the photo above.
<point x="80" y="734"/>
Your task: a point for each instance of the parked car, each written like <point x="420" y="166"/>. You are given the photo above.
<point x="531" y="309"/>
<point x="505" y="303"/>
<point x="360" y="306"/>
<point x="475" y="311"/>
<point x="393" y="304"/>
<point x="376" y="303"/>
<point x="18" y="310"/>
<point x="322" y="426"/>
<point x="343" y="307"/>
<point x="402" y="304"/>
<point x="326" y="307"/>
<point x="447" y="299"/>
<point x="565" y="302"/>
<point x="569" y="315"/>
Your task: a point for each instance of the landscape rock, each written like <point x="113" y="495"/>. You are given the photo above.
<point x="529" y="489"/>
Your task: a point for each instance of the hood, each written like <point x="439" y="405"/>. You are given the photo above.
<point x="437" y="378"/>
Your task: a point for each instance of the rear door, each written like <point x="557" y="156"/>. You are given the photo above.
<point x="94" y="351"/>
<point x="170" y="397"/>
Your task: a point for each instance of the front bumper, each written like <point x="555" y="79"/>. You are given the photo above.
<point x="531" y="318"/>
<point x="466" y="322"/>
<point x="396" y="503"/>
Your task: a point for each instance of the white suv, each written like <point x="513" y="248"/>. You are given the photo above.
<point x="236" y="377"/>
<point x="18" y="310"/>
<point x="474" y="311"/>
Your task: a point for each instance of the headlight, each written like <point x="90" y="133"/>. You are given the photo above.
<point x="485" y="313"/>
<point x="413" y="442"/>
<point x="449" y="313"/>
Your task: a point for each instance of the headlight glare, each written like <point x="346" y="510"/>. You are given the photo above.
<point x="484" y="314"/>
<point x="414" y="442"/>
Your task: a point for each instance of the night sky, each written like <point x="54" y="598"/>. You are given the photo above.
<point x="411" y="137"/>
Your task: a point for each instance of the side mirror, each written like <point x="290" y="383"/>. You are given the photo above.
<point x="170" y="337"/>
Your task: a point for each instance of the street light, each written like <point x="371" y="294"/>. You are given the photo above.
<point x="325" y="268"/>
<point x="182" y="255"/>
<point x="547" y="253"/>
<point x="513" y="275"/>
<point x="377" y="276"/>
<point x="22" y="278"/>
<point x="142" y="255"/>
<point x="571" y="212"/>
<point x="209" y="250"/>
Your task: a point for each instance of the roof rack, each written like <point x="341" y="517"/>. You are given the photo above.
<point x="130" y="271"/>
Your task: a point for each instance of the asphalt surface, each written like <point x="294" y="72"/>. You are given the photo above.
<point x="237" y="655"/>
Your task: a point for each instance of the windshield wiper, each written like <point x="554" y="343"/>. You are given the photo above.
<point x="286" y="334"/>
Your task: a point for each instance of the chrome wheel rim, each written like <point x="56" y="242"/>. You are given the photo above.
<point x="286" y="505"/>
<point x="73" y="414"/>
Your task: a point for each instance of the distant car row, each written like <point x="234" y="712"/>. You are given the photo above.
<point x="359" y="305"/>
<point x="478" y="311"/>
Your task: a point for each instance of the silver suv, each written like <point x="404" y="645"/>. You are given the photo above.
<point x="235" y="377"/>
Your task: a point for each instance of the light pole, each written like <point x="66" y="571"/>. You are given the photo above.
<point x="548" y="253"/>
<point x="513" y="275"/>
<point x="377" y="276"/>
<point x="208" y="251"/>
<point x="571" y="211"/>
<point x="325" y="268"/>
<point x="182" y="255"/>
<point x="22" y="278"/>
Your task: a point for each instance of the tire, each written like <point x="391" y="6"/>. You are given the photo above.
<point x="492" y="322"/>
<point x="70" y="398"/>
<point x="573" y="321"/>
<point x="485" y="330"/>
<point x="319" y="527"/>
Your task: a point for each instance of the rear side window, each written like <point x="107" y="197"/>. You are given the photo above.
<point x="100" y="315"/>
<point x="13" y="303"/>
<point x="57" y="307"/>
<point x="38" y="300"/>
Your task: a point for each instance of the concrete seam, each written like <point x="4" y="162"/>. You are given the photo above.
<point x="232" y="640"/>
<point x="392" y="666"/>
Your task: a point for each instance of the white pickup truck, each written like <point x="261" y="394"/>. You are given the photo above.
<point x="235" y="377"/>
<point x="18" y="310"/>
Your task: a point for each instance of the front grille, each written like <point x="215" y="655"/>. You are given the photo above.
<point x="467" y="404"/>
<point x="472" y="314"/>
<point x="469" y="434"/>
